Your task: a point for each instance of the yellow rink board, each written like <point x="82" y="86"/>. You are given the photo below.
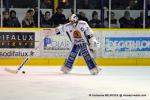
<point x="79" y="61"/>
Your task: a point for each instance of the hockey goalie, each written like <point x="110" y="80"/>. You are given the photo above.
<point x="83" y="41"/>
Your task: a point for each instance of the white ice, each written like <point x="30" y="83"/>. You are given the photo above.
<point x="48" y="83"/>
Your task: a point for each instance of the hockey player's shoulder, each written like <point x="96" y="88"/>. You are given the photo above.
<point x="82" y="22"/>
<point x="68" y="24"/>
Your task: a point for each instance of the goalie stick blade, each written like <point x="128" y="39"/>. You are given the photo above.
<point x="11" y="70"/>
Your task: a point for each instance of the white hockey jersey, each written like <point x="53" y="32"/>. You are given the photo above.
<point x="77" y="32"/>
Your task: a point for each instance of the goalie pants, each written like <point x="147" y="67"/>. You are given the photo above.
<point x="85" y="52"/>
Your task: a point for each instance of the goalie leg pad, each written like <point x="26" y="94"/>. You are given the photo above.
<point x="72" y="56"/>
<point x="88" y="57"/>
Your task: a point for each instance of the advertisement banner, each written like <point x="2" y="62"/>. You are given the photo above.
<point x="126" y="44"/>
<point x="19" y="43"/>
<point x="56" y="46"/>
<point x="16" y="53"/>
<point x="17" y="39"/>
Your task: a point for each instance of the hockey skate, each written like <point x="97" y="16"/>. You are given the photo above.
<point x="95" y="70"/>
<point x="65" y="69"/>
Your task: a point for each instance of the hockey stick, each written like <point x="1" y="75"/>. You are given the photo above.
<point x="26" y="60"/>
<point x="19" y="68"/>
<point x="23" y="63"/>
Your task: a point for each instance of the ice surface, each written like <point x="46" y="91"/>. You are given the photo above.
<point x="48" y="83"/>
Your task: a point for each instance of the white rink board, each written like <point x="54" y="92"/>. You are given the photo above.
<point x="114" y="44"/>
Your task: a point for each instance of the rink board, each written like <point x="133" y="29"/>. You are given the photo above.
<point x="114" y="50"/>
<point x="79" y="62"/>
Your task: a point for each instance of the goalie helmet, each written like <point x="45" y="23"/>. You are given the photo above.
<point x="73" y="18"/>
